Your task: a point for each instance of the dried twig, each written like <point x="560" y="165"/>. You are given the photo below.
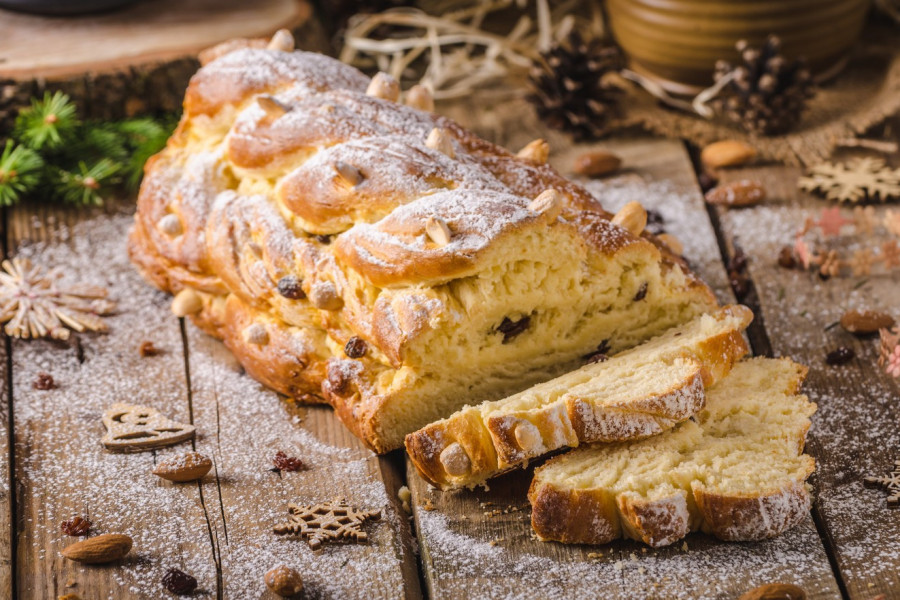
<point x="462" y="54"/>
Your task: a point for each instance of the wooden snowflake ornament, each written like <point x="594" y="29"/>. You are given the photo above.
<point x="861" y="179"/>
<point x="328" y="521"/>
<point x="889" y="483"/>
<point x="33" y="306"/>
<point x="133" y="428"/>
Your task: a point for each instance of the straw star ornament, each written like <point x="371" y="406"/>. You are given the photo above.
<point x="33" y="305"/>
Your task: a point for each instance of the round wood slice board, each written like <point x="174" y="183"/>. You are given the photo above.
<point x="134" y="60"/>
<point x="149" y="31"/>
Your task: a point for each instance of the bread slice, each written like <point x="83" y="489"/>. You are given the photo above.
<point x="635" y="394"/>
<point x="737" y="472"/>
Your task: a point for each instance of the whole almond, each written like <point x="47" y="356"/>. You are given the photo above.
<point x="597" y="163"/>
<point x="284" y="581"/>
<point x="775" y="591"/>
<point x="737" y="193"/>
<point x="727" y="153"/>
<point x="863" y="322"/>
<point x="100" y="549"/>
<point x="185" y="467"/>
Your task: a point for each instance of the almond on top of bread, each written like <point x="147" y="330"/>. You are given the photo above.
<point x="636" y="393"/>
<point x="738" y="472"/>
<point x="355" y="250"/>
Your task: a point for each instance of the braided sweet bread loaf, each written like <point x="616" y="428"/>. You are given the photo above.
<point x="356" y="250"/>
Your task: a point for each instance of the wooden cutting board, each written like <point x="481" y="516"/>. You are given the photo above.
<point x="133" y="60"/>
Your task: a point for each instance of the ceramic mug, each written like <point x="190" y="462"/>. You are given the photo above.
<point x="677" y="42"/>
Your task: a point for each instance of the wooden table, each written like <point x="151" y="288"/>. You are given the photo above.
<point x="453" y="545"/>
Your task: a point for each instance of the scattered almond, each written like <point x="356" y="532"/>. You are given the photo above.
<point x="775" y="591"/>
<point x="185" y="467"/>
<point x="284" y="581"/>
<point x="737" y="193"/>
<point x="186" y="302"/>
<point x="863" y="322"/>
<point x="597" y="163"/>
<point x="727" y="153"/>
<point x="100" y="549"/>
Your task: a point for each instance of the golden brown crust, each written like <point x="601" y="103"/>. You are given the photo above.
<point x="425" y="447"/>
<point x="755" y="516"/>
<point x="573" y="516"/>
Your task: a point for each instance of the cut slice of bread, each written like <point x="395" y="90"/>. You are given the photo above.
<point x="737" y="472"/>
<point x="634" y="394"/>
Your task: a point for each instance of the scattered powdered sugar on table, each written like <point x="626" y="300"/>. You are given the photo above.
<point x="706" y="569"/>
<point x="64" y="470"/>
<point x="855" y="431"/>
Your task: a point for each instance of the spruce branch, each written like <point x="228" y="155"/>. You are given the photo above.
<point x="46" y="123"/>
<point x="87" y="185"/>
<point x="20" y="170"/>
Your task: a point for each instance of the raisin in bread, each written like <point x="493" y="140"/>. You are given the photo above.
<point x="738" y="472"/>
<point x="352" y="249"/>
<point x="637" y="393"/>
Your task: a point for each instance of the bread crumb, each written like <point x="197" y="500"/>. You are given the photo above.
<point x="618" y="566"/>
<point x="684" y="547"/>
<point x="405" y="495"/>
<point x="595" y="555"/>
<point x="428" y="504"/>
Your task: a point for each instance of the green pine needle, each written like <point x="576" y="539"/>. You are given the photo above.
<point x="87" y="186"/>
<point x="19" y="172"/>
<point x="48" y="123"/>
<point x="148" y="138"/>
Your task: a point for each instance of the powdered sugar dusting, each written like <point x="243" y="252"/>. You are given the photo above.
<point x="64" y="471"/>
<point x="707" y="569"/>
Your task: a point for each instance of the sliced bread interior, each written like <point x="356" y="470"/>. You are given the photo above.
<point x="637" y="393"/>
<point x="737" y="471"/>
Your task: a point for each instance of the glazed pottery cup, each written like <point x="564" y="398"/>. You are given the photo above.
<point x="677" y="42"/>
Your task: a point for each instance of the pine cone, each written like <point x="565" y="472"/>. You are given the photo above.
<point x="570" y="92"/>
<point x="768" y="92"/>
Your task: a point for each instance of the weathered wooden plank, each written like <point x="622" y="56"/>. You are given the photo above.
<point x="855" y="431"/>
<point x="479" y="544"/>
<point x="6" y="483"/>
<point x="242" y="426"/>
<point x="61" y="469"/>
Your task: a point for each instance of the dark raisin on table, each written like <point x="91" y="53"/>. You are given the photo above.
<point x="148" y="349"/>
<point x="283" y="462"/>
<point x="356" y="347"/>
<point x="44" y="382"/>
<point x="840" y="356"/>
<point x="178" y="582"/>
<point x="76" y="526"/>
